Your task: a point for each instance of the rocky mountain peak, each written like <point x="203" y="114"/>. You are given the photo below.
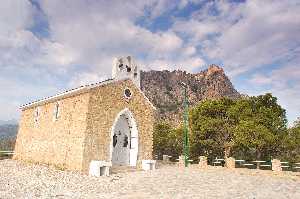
<point x="164" y="91"/>
<point x="214" y="69"/>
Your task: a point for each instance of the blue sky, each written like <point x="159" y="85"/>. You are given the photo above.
<point x="47" y="46"/>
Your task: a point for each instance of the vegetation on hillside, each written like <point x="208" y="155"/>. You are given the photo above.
<point x="248" y="128"/>
<point x="7" y="144"/>
<point x="8" y="134"/>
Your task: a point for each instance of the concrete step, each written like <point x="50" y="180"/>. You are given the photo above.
<point x="123" y="169"/>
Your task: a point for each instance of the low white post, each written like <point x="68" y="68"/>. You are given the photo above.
<point x="276" y="165"/>
<point x="202" y="162"/>
<point x="165" y="158"/>
<point x="148" y="165"/>
<point x="99" y="168"/>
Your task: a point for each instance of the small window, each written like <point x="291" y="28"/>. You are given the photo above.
<point x="37" y="113"/>
<point x="56" y="111"/>
<point x="127" y="93"/>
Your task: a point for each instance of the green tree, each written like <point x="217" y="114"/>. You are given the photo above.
<point x="167" y="140"/>
<point x="297" y="123"/>
<point x="261" y="125"/>
<point x="291" y="144"/>
<point x="212" y="128"/>
<point x="176" y="142"/>
<point x="253" y="127"/>
<point x="250" y="135"/>
<point x="161" y="136"/>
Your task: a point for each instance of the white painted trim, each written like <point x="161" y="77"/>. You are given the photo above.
<point x="55" y="97"/>
<point x="65" y="94"/>
<point x="79" y="90"/>
<point x="134" y="133"/>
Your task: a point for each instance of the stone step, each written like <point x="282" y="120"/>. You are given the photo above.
<point x="123" y="169"/>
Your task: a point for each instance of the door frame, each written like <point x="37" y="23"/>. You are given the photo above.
<point x="133" y="151"/>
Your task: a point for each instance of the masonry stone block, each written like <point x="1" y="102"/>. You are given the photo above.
<point x="181" y="161"/>
<point x="202" y="162"/>
<point x="99" y="168"/>
<point x="166" y="158"/>
<point x="148" y="165"/>
<point x="230" y="163"/>
<point x="276" y="165"/>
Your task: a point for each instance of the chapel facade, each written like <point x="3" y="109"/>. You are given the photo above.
<point x="107" y="121"/>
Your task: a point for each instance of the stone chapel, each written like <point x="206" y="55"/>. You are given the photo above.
<point x="108" y="121"/>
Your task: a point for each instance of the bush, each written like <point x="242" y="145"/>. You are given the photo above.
<point x="167" y="140"/>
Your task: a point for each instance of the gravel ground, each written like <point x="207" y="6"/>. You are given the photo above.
<point x="18" y="180"/>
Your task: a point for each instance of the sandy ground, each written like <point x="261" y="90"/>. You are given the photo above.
<point x="18" y="180"/>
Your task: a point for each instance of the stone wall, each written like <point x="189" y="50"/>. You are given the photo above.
<point x="82" y="131"/>
<point x="54" y="141"/>
<point x="105" y="104"/>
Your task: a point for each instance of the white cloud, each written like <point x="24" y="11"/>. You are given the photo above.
<point x="84" y="37"/>
<point x="284" y="83"/>
<point x="87" y="78"/>
<point x="260" y="79"/>
<point x="196" y="30"/>
<point x="260" y="37"/>
<point x="99" y="31"/>
<point x="244" y="36"/>
<point x="21" y="48"/>
<point x="15" y="15"/>
<point x="183" y="64"/>
<point x="17" y="91"/>
<point x="27" y="63"/>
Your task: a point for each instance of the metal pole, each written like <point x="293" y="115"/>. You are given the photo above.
<point x="186" y="129"/>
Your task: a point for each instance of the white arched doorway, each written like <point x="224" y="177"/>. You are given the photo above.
<point x="124" y="139"/>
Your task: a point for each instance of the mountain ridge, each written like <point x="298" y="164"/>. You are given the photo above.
<point x="164" y="90"/>
<point x="8" y="130"/>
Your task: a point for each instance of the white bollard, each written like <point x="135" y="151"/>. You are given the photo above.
<point x="202" y="162"/>
<point x="165" y="158"/>
<point x="148" y="165"/>
<point x="99" y="168"/>
<point x="276" y="165"/>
